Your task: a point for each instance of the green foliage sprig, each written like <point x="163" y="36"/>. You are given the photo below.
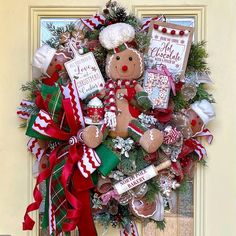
<point x="197" y="58"/>
<point x="30" y="87"/>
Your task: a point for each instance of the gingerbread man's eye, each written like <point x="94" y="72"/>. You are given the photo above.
<point x="117" y="58"/>
<point x="131" y="58"/>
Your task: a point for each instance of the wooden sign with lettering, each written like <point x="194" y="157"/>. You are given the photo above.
<point x="169" y="45"/>
<point x="85" y="74"/>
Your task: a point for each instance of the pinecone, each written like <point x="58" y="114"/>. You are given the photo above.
<point x="121" y="15"/>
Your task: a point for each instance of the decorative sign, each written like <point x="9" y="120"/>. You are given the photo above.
<point x="156" y="84"/>
<point x="85" y="74"/>
<point x="169" y="45"/>
<point x="135" y="180"/>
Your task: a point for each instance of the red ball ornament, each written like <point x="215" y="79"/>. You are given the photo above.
<point x="164" y="30"/>
<point x="156" y="26"/>
<point x="181" y="32"/>
<point x="172" y="32"/>
<point x="43" y="166"/>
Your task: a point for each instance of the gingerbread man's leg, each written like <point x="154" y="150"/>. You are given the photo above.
<point x="149" y="139"/>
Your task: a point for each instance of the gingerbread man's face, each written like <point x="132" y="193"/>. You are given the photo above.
<point x="127" y="65"/>
<point x="195" y="121"/>
<point x="58" y="59"/>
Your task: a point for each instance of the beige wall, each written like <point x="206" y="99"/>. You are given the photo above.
<point x="220" y="175"/>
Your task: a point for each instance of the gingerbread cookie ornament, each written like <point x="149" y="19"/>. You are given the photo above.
<point x="47" y="61"/>
<point x="199" y="114"/>
<point x="124" y="66"/>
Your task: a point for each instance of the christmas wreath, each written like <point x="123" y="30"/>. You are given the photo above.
<point x="114" y="114"/>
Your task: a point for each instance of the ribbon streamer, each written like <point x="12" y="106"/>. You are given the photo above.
<point x="34" y="147"/>
<point x="45" y="125"/>
<point x="205" y="133"/>
<point x="146" y="22"/>
<point x="131" y="229"/>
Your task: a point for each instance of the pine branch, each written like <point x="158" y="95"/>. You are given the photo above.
<point x="203" y="94"/>
<point x="197" y="58"/>
<point x="179" y="101"/>
<point x="153" y="190"/>
<point x="32" y="110"/>
<point x="160" y="224"/>
<point x="134" y="21"/>
<point x="142" y="40"/>
<point x="56" y="32"/>
<point x="23" y="125"/>
<point x="30" y="87"/>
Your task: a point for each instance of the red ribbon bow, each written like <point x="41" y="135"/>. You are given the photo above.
<point x="46" y="126"/>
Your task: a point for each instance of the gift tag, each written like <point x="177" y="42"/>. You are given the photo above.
<point x="84" y="73"/>
<point x="156" y="84"/>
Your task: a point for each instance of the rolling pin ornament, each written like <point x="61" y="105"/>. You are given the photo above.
<point x="140" y="177"/>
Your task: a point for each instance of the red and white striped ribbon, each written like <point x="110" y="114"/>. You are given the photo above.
<point x="132" y="230"/>
<point x="205" y="133"/>
<point x="89" y="162"/>
<point x="41" y="123"/>
<point x="34" y="147"/>
<point x="146" y="22"/>
<point x="94" y="21"/>
<point x="199" y="149"/>
<point x="21" y="110"/>
<point x="70" y="92"/>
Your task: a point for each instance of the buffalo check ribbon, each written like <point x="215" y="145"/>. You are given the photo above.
<point x="78" y="153"/>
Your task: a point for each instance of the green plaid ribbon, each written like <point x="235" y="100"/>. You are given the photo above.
<point x="53" y="99"/>
<point x="59" y="203"/>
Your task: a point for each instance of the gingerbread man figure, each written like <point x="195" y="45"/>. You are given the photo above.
<point x="124" y="66"/>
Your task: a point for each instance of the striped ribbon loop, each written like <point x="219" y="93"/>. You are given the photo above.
<point x="34" y="147"/>
<point x="146" y="22"/>
<point x="130" y="230"/>
<point x="23" y="110"/>
<point x="205" y="133"/>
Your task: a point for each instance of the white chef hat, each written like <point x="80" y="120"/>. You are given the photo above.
<point x="204" y="109"/>
<point x="42" y="58"/>
<point x="115" y="35"/>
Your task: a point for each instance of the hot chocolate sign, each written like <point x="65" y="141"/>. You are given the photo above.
<point x="169" y="45"/>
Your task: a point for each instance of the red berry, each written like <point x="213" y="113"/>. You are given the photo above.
<point x="181" y="32"/>
<point x="156" y="26"/>
<point x="172" y="32"/>
<point x="43" y="166"/>
<point x="164" y="30"/>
